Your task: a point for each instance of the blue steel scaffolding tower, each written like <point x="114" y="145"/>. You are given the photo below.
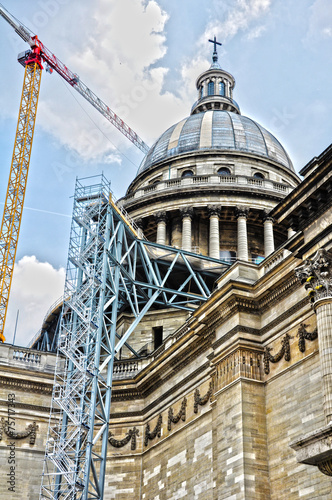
<point x="110" y="268"/>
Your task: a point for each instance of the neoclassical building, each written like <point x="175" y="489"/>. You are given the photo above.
<point x="234" y="400"/>
<point x="208" y="183"/>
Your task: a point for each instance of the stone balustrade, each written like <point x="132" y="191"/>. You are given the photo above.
<point x="129" y="368"/>
<point x="23" y="358"/>
<point x="202" y="180"/>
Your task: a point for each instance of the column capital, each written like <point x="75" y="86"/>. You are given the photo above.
<point x="267" y="217"/>
<point x="213" y="210"/>
<point x="187" y="212"/>
<point x="241" y="212"/>
<point x="316" y="275"/>
<point x="160" y="217"/>
<point x="139" y="222"/>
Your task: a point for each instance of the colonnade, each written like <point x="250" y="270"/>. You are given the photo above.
<point x="214" y="231"/>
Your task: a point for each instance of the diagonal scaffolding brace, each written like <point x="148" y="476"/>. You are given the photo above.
<point x="111" y="269"/>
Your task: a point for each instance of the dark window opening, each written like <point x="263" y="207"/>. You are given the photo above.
<point x="187" y="173"/>
<point x="224" y="171"/>
<point x="210" y="88"/>
<point x="258" y="175"/>
<point x="221" y="88"/>
<point x="157" y="336"/>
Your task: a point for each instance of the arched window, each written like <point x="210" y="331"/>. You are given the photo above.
<point x="258" y="175"/>
<point x="221" y="88"/>
<point x="210" y="88"/>
<point x="187" y="173"/>
<point x="224" y="171"/>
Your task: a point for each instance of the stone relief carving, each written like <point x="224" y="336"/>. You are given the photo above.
<point x="180" y="415"/>
<point x="131" y="436"/>
<point x="326" y="467"/>
<point x="304" y="335"/>
<point x="30" y="430"/>
<point x="316" y="275"/>
<point x="156" y="431"/>
<point x="201" y="401"/>
<point x="284" y="352"/>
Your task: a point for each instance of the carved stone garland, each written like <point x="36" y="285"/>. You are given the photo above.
<point x="180" y="415"/>
<point x="131" y="436"/>
<point x="156" y="431"/>
<point x="30" y="430"/>
<point x="304" y="335"/>
<point x="283" y="353"/>
<point x="201" y="401"/>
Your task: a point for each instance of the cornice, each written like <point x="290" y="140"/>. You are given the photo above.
<point x="29" y="407"/>
<point x="26" y="385"/>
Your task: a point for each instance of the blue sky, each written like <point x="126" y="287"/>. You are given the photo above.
<point x="142" y="58"/>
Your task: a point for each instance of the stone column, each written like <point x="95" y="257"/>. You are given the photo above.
<point x="268" y="236"/>
<point x="316" y="273"/>
<point x="205" y="89"/>
<point x="161" y="228"/>
<point x="187" y="214"/>
<point x="139" y="224"/>
<point x="242" y="237"/>
<point x="214" y="246"/>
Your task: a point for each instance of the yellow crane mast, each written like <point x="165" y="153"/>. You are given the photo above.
<point x="12" y="215"/>
<point x="32" y="60"/>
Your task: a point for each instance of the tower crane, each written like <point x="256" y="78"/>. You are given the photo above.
<point x="33" y="60"/>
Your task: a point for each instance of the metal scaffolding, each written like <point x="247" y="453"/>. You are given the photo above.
<point x="111" y="268"/>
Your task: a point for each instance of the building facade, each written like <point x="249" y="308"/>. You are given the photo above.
<point x="233" y="401"/>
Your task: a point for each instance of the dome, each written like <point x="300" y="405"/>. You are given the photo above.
<point x="215" y="131"/>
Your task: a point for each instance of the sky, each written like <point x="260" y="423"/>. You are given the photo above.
<point x="142" y="58"/>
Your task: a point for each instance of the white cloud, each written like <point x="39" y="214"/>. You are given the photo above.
<point x="256" y="32"/>
<point x="235" y="16"/>
<point x="35" y="287"/>
<point x="320" y="22"/>
<point x="116" y="56"/>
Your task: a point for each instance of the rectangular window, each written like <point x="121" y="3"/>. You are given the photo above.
<point x="157" y="336"/>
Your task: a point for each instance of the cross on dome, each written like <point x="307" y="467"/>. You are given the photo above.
<point x="215" y="53"/>
<point x="215" y="43"/>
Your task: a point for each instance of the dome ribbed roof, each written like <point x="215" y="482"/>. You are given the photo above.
<point x="216" y="130"/>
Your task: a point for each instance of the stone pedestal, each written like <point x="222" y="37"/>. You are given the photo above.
<point x="315" y="449"/>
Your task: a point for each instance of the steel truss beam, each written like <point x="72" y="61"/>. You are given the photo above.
<point x="110" y="269"/>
